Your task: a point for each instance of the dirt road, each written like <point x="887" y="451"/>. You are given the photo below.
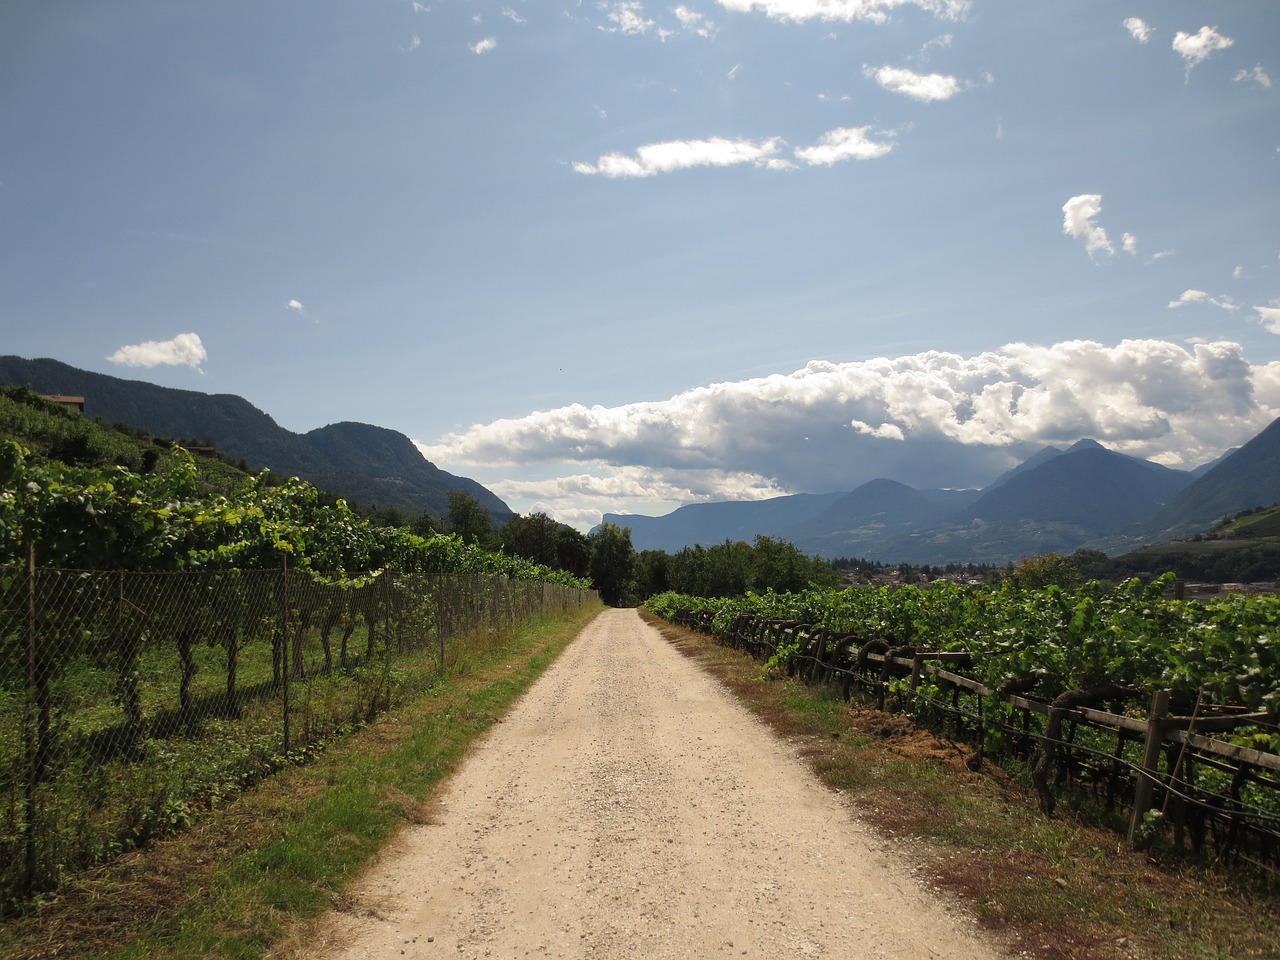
<point x="629" y="807"/>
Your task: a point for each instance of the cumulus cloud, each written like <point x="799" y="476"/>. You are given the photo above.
<point x="1138" y="29"/>
<point x="843" y="143"/>
<point x="295" y="305"/>
<point x="1195" y="48"/>
<point x="1269" y="317"/>
<point x="184" y="350"/>
<point x="1130" y="244"/>
<point x="930" y="419"/>
<point x="926" y="87"/>
<point x="1078" y="216"/>
<point x="1257" y="75"/>
<point x="872" y="11"/>
<point x="1199" y="296"/>
<point x="484" y="46"/>
<point x="673" y="155"/>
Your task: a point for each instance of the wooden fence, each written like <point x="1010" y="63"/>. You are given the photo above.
<point x="1122" y="747"/>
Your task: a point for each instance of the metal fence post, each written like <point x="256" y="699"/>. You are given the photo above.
<point x="33" y="733"/>
<point x="286" y="653"/>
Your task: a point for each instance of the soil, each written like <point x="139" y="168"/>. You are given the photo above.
<point x="628" y="806"/>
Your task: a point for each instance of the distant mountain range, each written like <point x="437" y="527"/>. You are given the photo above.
<point x="368" y="465"/>
<point x="1057" y="501"/>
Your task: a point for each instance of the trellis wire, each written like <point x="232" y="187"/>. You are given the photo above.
<point x="130" y="701"/>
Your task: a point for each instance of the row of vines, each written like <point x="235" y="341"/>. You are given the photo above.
<point x="1163" y="706"/>
<point x="166" y="643"/>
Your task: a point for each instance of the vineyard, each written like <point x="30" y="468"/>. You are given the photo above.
<point x="1159" y="711"/>
<point x="165" y="644"/>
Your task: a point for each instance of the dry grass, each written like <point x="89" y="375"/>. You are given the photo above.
<point x="1052" y="889"/>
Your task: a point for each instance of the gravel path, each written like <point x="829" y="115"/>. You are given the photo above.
<point x="628" y="807"/>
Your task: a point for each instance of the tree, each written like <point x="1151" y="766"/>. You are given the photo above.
<point x="1040" y="571"/>
<point x="468" y="519"/>
<point x="535" y="537"/>
<point x="612" y="565"/>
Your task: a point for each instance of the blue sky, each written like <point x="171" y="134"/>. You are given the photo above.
<point x="621" y="256"/>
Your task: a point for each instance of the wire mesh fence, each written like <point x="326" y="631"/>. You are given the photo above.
<point x="130" y="701"/>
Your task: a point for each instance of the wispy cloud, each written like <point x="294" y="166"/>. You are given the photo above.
<point x="835" y="146"/>
<point x="1195" y="48"/>
<point x="674" y="155"/>
<point x="485" y="45"/>
<point x="627" y="16"/>
<point x="695" y="22"/>
<point x="1257" y="75"/>
<point x="1199" y="296"/>
<point x="510" y="14"/>
<point x="925" y="87"/>
<point x="872" y="11"/>
<point x="844" y="143"/>
<point x="184" y="350"/>
<point x="1138" y="29"/>
<point x="1079" y="220"/>
<point x="834" y="425"/>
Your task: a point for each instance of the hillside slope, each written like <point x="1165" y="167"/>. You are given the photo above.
<point x="368" y="465"/>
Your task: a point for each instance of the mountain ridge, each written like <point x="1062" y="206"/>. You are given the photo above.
<point x="369" y="465"/>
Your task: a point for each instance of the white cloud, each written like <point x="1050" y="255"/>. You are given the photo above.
<point x="733" y="71"/>
<point x="843" y="143"/>
<point x="1195" y="48"/>
<point x="1130" y="244"/>
<point x="674" y="155"/>
<point x="512" y="15"/>
<point x="931" y="419"/>
<point x="695" y="22"/>
<point x="184" y="350"/>
<point x="295" y="305"/>
<point x="1238" y="272"/>
<point x="627" y="16"/>
<point x="420" y="7"/>
<point x="1138" y="29"/>
<point x="1269" y="317"/>
<point x="1199" y="296"/>
<point x="1257" y="75"/>
<point x="1078" y="215"/>
<point x="484" y="46"/>
<point x="926" y="87"/>
<point x="873" y="11"/>
<point x="414" y="43"/>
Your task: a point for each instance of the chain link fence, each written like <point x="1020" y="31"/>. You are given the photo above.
<point x="131" y="701"/>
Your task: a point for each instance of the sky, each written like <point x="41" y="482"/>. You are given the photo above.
<point x="625" y="255"/>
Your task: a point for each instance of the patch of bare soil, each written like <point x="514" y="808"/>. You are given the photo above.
<point x="629" y="806"/>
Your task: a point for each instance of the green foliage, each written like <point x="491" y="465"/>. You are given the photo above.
<point x="95" y="519"/>
<point x="612" y="564"/>
<point x="1225" y="649"/>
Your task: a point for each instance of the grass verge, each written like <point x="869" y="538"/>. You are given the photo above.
<point x="1052" y="889"/>
<point x="234" y="884"/>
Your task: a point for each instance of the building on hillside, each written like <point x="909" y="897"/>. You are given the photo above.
<point x="66" y="401"/>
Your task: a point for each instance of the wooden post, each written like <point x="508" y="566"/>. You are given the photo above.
<point x="917" y="668"/>
<point x="1144" y="789"/>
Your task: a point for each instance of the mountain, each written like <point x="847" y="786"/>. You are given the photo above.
<point x="1087" y="486"/>
<point x="877" y="513"/>
<point x="1055" y="501"/>
<point x="1249" y="477"/>
<point x="368" y="465"/>
<point x="712" y="523"/>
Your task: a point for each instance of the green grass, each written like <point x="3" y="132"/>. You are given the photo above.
<point x="245" y="875"/>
